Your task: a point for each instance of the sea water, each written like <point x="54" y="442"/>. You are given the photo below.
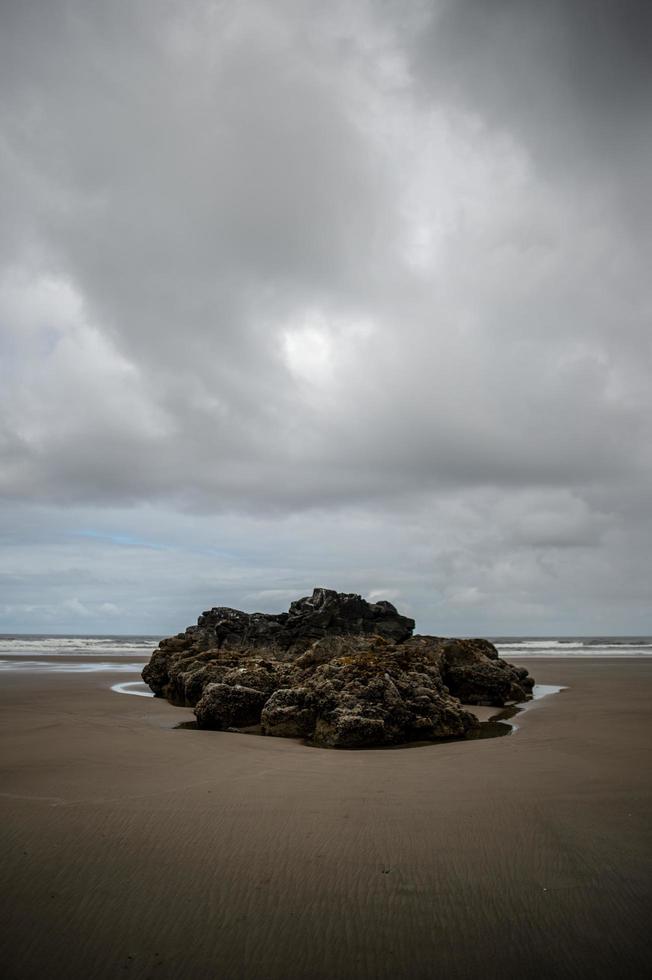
<point x="122" y="655"/>
<point x="129" y="654"/>
<point x="75" y="654"/>
<point x="518" y="647"/>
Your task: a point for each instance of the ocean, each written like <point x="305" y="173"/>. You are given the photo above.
<point x="129" y="654"/>
<point x="75" y="654"/>
<point x="124" y="656"/>
<point x="518" y="647"/>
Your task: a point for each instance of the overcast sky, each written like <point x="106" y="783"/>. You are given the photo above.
<point x="354" y="294"/>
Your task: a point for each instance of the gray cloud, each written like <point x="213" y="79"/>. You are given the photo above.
<point x="265" y="262"/>
<point x="573" y="78"/>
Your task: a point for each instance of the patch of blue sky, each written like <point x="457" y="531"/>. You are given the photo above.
<point x="124" y="540"/>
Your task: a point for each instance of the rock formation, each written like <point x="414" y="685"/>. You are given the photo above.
<point x="334" y="669"/>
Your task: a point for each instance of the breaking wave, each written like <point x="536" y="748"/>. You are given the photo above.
<point x="590" y="646"/>
<point x="87" y="646"/>
<point x="71" y="667"/>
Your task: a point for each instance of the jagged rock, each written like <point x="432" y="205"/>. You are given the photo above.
<point x="365" y="691"/>
<point x="290" y="712"/>
<point x="196" y="680"/>
<point x="477" y="675"/>
<point x="229" y="706"/>
<point x="334" y="669"/>
<point x="324" y="613"/>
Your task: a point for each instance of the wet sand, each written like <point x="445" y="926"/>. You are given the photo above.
<point x="130" y="848"/>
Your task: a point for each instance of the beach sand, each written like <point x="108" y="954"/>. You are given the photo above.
<point x="134" y="849"/>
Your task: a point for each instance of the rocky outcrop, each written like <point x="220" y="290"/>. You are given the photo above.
<point x="324" y="613"/>
<point x="334" y="669"/>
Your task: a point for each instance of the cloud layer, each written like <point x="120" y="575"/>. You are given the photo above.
<point x="367" y="281"/>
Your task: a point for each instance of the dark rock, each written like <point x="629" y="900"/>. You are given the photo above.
<point x="370" y="691"/>
<point x="155" y="673"/>
<point x="476" y="674"/>
<point x="229" y="705"/>
<point x="324" y="613"/>
<point x="334" y="669"/>
<point x="196" y="680"/>
<point x="330" y="613"/>
<point x="290" y="712"/>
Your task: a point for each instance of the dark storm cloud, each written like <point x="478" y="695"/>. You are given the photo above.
<point x="382" y="261"/>
<point x="574" y="78"/>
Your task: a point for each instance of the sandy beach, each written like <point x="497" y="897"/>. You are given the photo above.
<point x="133" y="848"/>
